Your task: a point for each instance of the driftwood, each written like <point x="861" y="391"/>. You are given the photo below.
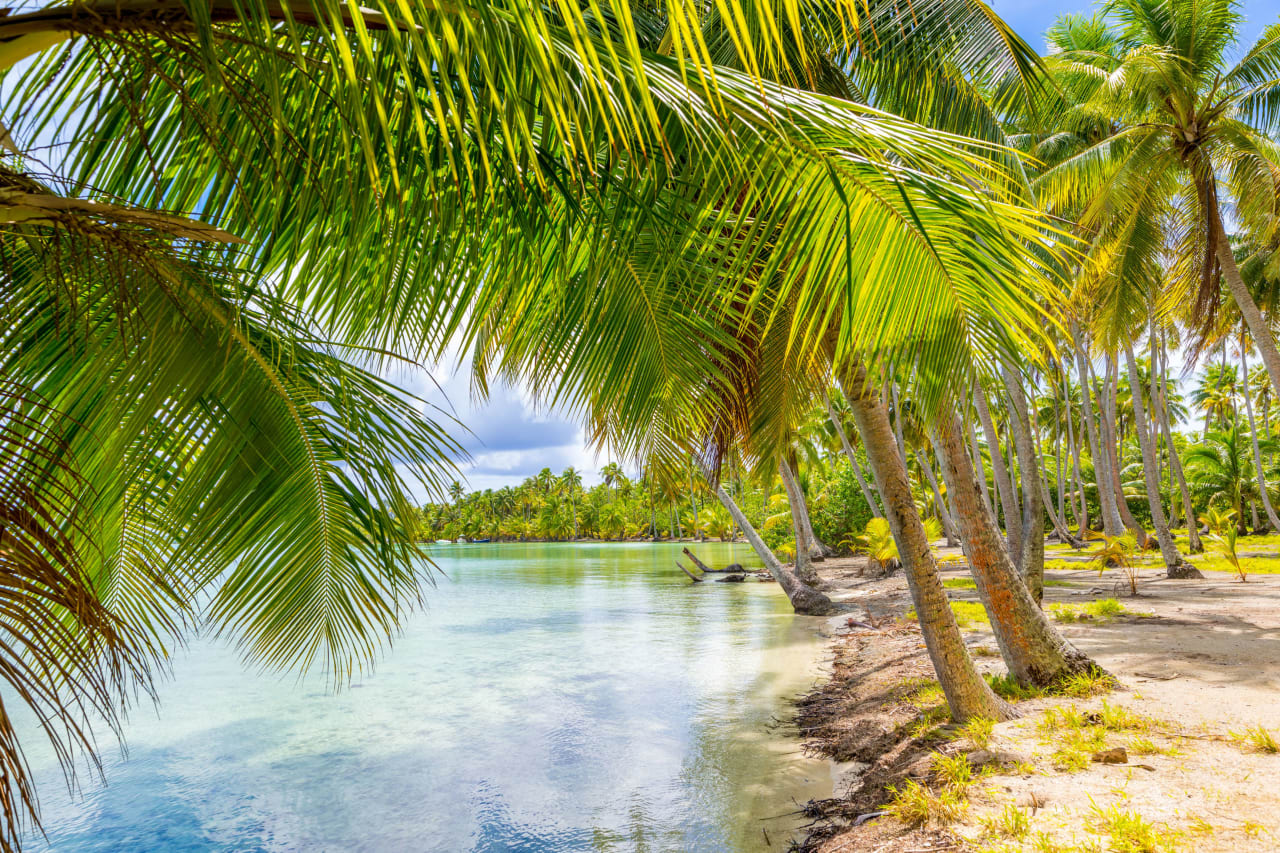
<point x="735" y="578"/>
<point x="732" y="568"/>
<point x="691" y="575"/>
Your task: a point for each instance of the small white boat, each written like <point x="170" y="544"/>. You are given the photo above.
<point x="444" y="541"/>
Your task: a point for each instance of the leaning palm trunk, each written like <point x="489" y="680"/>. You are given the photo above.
<point x="1034" y="652"/>
<point x="1175" y="566"/>
<point x="1080" y="505"/>
<point x="817" y="548"/>
<point x="804" y="599"/>
<point x="853" y="459"/>
<point x="1253" y="438"/>
<point x="804" y="544"/>
<point x="1259" y="328"/>
<point x="968" y="695"/>
<point x="1031" y="560"/>
<point x="1004" y="485"/>
<point x="1112" y="524"/>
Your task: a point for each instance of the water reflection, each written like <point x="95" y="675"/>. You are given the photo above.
<point x="554" y="698"/>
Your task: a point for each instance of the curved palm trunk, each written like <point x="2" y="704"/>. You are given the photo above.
<point x="1033" y="650"/>
<point x="1259" y="329"/>
<point x="1253" y="438"/>
<point x="804" y="599"/>
<point x="968" y="695"/>
<point x="1031" y="560"/>
<point x="1004" y="486"/>
<point x="1175" y="566"/>
<point x="1111" y="521"/>
<point x="853" y="459"/>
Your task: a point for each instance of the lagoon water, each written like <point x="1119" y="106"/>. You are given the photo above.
<point x="557" y="697"/>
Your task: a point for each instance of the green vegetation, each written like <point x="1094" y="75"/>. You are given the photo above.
<point x="804" y="318"/>
<point x="1098" y="610"/>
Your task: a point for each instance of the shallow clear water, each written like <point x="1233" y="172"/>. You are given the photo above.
<point x="551" y="698"/>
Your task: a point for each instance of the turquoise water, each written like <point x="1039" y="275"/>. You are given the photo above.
<point x="550" y="698"/>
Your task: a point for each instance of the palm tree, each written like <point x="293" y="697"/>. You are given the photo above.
<point x="1218" y="471"/>
<point x="570" y="483"/>
<point x="220" y="436"/>
<point x="1188" y="128"/>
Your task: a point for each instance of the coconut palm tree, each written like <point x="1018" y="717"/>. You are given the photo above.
<point x="1188" y="132"/>
<point x="1218" y="471"/>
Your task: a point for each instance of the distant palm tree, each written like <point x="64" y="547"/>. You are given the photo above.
<point x="1218" y="469"/>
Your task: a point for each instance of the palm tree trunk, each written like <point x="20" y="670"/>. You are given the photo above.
<point x="804" y="545"/>
<point x="1112" y="449"/>
<point x="804" y="599"/>
<point x="897" y="423"/>
<point x="1033" y="650"/>
<point x="1194" y="545"/>
<point x="968" y="695"/>
<point x="1031" y="560"/>
<point x="853" y="459"/>
<point x="1112" y="524"/>
<point x="1059" y="479"/>
<point x="948" y="526"/>
<point x="1259" y="329"/>
<point x="977" y="461"/>
<point x="1057" y="519"/>
<point x="1081" y="504"/>
<point x="1004" y="486"/>
<point x="1253" y="437"/>
<point x="1175" y="566"/>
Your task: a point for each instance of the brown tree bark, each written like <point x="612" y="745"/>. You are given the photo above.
<point x="968" y="695"/>
<point x="1033" y="650"/>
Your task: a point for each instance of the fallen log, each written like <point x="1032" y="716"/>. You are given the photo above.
<point x="732" y="568"/>
<point x="691" y="575"/>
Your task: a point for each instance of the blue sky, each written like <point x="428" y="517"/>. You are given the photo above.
<point x="513" y="440"/>
<point x="1031" y="18"/>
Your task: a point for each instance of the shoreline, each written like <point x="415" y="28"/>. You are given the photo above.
<point x="1197" y="668"/>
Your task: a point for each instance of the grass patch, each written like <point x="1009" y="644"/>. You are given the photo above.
<point x="1012" y="822"/>
<point x="1130" y="832"/>
<point x="1099" y="610"/>
<point x="1082" y="685"/>
<point x="968" y="614"/>
<point x="978" y="730"/>
<point x="1257" y="739"/>
<point x="1008" y="687"/>
<point x="1250" y="565"/>
<point x="1076" y="735"/>
<point x="916" y="805"/>
<point x="953" y="771"/>
<point x="959" y="583"/>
